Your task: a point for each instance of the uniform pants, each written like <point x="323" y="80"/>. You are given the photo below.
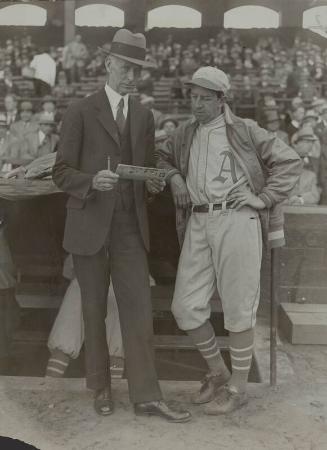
<point x="125" y="260"/>
<point x="221" y="249"/>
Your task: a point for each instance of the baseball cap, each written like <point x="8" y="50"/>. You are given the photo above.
<point x="210" y="78"/>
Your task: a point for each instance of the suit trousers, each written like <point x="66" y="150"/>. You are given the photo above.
<point x="123" y="257"/>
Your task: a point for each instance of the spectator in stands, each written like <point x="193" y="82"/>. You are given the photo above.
<point x="306" y="190"/>
<point x="296" y="115"/>
<point x="63" y="89"/>
<point x="7" y="86"/>
<point x="44" y="67"/>
<point x="2" y="65"/>
<point x="95" y="67"/>
<point x="272" y="123"/>
<point x="74" y="59"/>
<point x="311" y="118"/>
<point x="168" y="125"/>
<point x="145" y="83"/>
<point x="307" y="90"/>
<point x="11" y="110"/>
<point x="321" y="126"/>
<point x="305" y="137"/>
<point x="177" y="89"/>
<point x="148" y="102"/>
<point x="8" y="145"/>
<point x="25" y="124"/>
<point x="49" y="109"/>
<point x="317" y="105"/>
<point x="42" y="141"/>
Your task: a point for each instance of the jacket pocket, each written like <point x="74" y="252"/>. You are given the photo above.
<point x="75" y="203"/>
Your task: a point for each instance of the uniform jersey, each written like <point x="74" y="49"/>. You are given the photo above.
<point x="213" y="171"/>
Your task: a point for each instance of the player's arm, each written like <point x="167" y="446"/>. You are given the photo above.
<point x="282" y="163"/>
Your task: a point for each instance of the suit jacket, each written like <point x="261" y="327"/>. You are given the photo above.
<point x="89" y="135"/>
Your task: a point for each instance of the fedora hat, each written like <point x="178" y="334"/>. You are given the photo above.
<point x="130" y="47"/>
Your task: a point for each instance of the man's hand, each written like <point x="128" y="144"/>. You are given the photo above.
<point x="104" y="180"/>
<point x="179" y="191"/>
<point x="246" y="198"/>
<point x="154" y="186"/>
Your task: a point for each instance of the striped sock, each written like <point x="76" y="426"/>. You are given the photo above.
<point x="57" y="364"/>
<point x="205" y="340"/>
<point x="241" y="349"/>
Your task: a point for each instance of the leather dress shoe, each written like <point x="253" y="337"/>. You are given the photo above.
<point x="103" y="403"/>
<point x="161" y="409"/>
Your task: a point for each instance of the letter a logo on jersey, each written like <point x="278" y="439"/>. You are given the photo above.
<point x="227" y="167"/>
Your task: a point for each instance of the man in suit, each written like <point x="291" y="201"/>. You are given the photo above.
<point x="11" y="110"/>
<point x="25" y="125"/>
<point x="106" y="226"/>
<point x="41" y="141"/>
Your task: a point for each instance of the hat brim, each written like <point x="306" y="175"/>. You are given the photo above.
<point x="139" y="62"/>
<point x="206" y="84"/>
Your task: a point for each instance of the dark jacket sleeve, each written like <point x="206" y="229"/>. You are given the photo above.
<point x="66" y="173"/>
<point x="149" y="141"/>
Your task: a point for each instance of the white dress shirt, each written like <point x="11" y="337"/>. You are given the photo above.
<point x="114" y="99"/>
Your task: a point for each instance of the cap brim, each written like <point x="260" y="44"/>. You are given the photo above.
<point x="139" y="62"/>
<point x="205" y="84"/>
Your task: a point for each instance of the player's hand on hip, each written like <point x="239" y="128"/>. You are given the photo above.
<point x="179" y="191"/>
<point x="155" y="186"/>
<point x="246" y="198"/>
<point x="105" y="180"/>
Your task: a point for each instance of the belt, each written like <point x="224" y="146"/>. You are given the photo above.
<point x="206" y="207"/>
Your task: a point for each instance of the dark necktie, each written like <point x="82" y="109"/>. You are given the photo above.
<point x="120" y="118"/>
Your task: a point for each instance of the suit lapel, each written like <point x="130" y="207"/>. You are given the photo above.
<point x="105" y="116"/>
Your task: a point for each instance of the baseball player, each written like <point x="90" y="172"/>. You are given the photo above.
<point x="227" y="177"/>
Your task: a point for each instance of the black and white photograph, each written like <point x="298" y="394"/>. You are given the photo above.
<point x="163" y="225"/>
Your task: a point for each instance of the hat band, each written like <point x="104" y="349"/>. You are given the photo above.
<point x="131" y="51"/>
